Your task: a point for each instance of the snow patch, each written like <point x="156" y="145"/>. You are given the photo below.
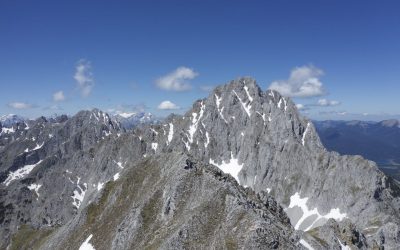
<point x="208" y="140"/>
<point x="86" y="245"/>
<point x="304" y="134"/>
<point x="271" y="93"/>
<point x="116" y="176"/>
<point x="170" y="133"/>
<point x="38" y="146"/>
<point x="7" y="130"/>
<point x="305" y="244"/>
<point x="296" y="201"/>
<point x="195" y="122"/>
<point x="100" y="185"/>
<point x="155" y="132"/>
<point x="20" y="173"/>
<point x="248" y="94"/>
<point x="231" y="167"/>
<point x="246" y="106"/>
<point x="263" y="116"/>
<point x="218" y="102"/>
<point x="343" y="247"/>
<point x="154" y="146"/>
<point x="279" y="103"/>
<point x="35" y="187"/>
<point x="119" y="164"/>
<point x="79" y="194"/>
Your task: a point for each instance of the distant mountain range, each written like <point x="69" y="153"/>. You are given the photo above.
<point x="376" y="141"/>
<point x="8" y="120"/>
<point x="130" y="120"/>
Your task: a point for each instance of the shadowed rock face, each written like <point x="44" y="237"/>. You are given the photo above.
<point x="86" y="166"/>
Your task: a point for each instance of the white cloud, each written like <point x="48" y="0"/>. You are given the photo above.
<point x="303" y="82"/>
<point x="58" y="96"/>
<point x="177" y="80"/>
<point x="84" y="77"/>
<point x="333" y="112"/>
<point x="207" y="88"/>
<point x="128" y="109"/>
<point x="168" y="105"/>
<point x="20" y="105"/>
<point x="300" y="106"/>
<point x="325" y="102"/>
<point x="53" y="108"/>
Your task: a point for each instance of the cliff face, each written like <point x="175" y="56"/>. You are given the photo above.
<point x="163" y="184"/>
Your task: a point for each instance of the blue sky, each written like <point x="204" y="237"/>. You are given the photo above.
<point x="63" y="57"/>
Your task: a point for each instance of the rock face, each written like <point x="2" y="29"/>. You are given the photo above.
<point x="86" y="180"/>
<point x="41" y="170"/>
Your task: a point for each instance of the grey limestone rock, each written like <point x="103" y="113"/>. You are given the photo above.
<point x="156" y="186"/>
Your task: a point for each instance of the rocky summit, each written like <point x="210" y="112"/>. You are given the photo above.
<point x="242" y="169"/>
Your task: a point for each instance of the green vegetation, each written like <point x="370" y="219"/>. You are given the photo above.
<point x="150" y="210"/>
<point x="354" y="190"/>
<point x="29" y="238"/>
<point x="230" y="243"/>
<point x="95" y="210"/>
<point x="314" y="233"/>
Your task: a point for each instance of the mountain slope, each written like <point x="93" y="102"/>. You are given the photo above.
<point x="258" y="137"/>
<point x="177" y="204"/>
<point x="270" y="147"/>
<point x="81" y="160"/>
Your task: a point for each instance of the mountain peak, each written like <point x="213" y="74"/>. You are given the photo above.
<point x="258" y="137"/>
<point x="11" y="119"/>
<point x="390" y="123"/>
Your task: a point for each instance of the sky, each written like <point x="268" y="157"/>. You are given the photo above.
<point x="336" y="59"/>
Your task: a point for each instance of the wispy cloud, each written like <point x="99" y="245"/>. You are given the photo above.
<point x="178" y="80"/>
<point x="53" y="108"/>
<point x="301" y="107"/>
<point x="325" y="102"/>
<point x="84" y="77"/>
<point x="167" y="105"/>
<point x="128" y="108"/>
<point x="334" y="112"/>
<point x="20" y="105"/>
<point x="320" y="103"/>
<point x="303" y="82"/>
<point x="58" y="96"/>
<point x="207" y="88"/>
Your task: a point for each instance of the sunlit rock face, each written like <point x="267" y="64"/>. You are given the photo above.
<point x="66" y="180"/>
